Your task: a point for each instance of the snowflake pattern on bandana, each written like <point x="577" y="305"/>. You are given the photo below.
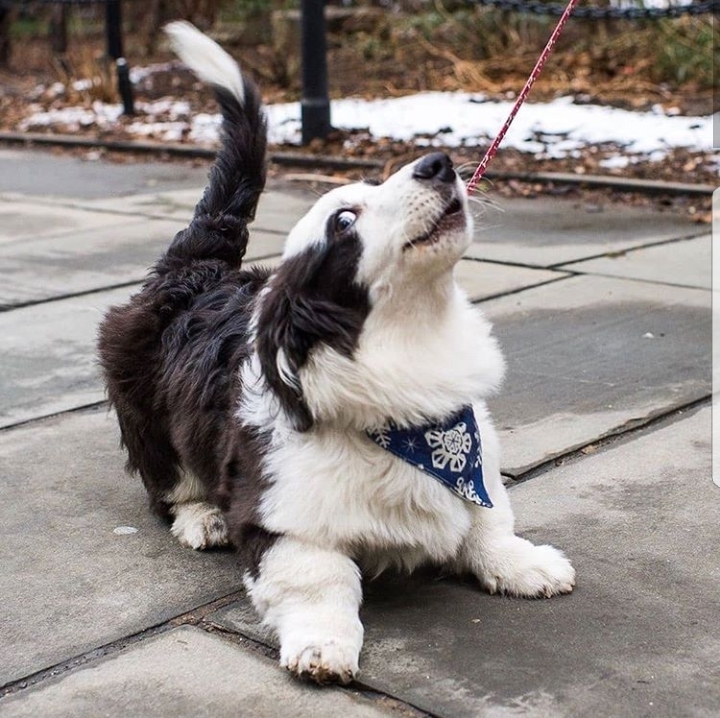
<point x="450" y="452"/>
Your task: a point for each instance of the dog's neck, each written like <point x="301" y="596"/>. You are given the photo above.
<point x="412" y="306"/>
<point x="415" y="360"/>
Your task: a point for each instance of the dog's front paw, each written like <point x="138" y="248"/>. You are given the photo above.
<point x="199" y="526"/>
<point x="328" y="661"/>
<point x="523" y="569"/>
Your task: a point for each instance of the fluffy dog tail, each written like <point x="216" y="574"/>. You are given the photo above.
<point x="219" y="227"/>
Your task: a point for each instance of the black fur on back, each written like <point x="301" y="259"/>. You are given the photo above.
<point x="170" y="355"/>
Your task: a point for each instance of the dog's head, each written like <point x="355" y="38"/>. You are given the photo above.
<point x="364" y="255"/>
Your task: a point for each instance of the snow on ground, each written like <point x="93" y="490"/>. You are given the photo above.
<point x="554" y="129"/>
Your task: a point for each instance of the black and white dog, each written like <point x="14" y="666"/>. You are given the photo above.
<point x="327" y="417"/>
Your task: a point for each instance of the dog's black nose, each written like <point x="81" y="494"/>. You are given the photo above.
<point x="437" y="166"/>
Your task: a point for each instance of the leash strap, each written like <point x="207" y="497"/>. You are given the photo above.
<point x="480" y="171"/>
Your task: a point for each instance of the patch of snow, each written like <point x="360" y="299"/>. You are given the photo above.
<point x="647" y="3"/>
<point x="140" y="73"/>
<point x="554" y="129"/>
<point x="82" y="85"/>
<point x="99" y="114"/>
<point x="616" y="162"/>
<point x="174" y="109"/>
<point x="656" y="156"/>
<point x="57" y="89"/>
<point x="165" y="131"/>
<point x="205" y="129"/>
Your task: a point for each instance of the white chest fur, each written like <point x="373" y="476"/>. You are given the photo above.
<point x="340" y="489"/>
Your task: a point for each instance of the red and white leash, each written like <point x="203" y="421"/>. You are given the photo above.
<point x="480" y="171"/>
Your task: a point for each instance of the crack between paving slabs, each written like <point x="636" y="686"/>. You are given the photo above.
<point x="189" y="618"/>
<point x="511" y="263"/>
<point x="71" y="295"/>
<point x="108" y="288"/>
<point x="196" y="617"/>
<point x="614" y="437"/>
<point x="72" y="410"/>
<point x="356" y="687"/>
<point x="83" y="207"/>
<point x="622" y="252"/>
<point x="132" y="282"/>
<point x="656" y="282"/>
<point x="510" y="292"/>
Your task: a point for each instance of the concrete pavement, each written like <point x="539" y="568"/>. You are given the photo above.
<point x="604" y="317"/>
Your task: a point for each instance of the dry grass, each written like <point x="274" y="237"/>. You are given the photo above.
<point x="87" y="75"/>
<point x="468" y="47"/>
<point x="479" y="49"/>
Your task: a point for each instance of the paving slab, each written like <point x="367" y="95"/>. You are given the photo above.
<point x="22" y="220"/>
<point x="586" y="355"/>
<point x="48" y="359"/>
<point x="52" y="367"/>
<point x="590" y="355"/>
<point x="186" y="672"/>
<point x="51" y="267"/>
<point x="40" y="269"/>
<point x="69" y="583"/>
<point x="155" y="189"/>
<point x="178" y="204"/>
<point x="638" y="637"/>
<point x="278" y="211"/>
<point x="549" y="231"/>
<point x="38" y="172"/>
<point x="686" y="263"/>
<point x="482" y="280"/>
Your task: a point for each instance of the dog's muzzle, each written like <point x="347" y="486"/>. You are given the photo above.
<point x="436" y="168"/>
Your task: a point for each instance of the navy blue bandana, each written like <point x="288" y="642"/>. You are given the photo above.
<point x="450" y="452"/>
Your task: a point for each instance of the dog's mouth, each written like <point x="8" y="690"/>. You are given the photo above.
<point x="451" y="218"/>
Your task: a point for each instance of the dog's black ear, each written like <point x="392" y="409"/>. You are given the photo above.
<point x="313" y="299"/>
<point x="279" y="344"/>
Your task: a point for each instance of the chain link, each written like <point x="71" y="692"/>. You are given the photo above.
<point x="600" y="13"/>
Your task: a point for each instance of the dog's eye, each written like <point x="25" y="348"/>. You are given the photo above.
<point x="344" y="220"/>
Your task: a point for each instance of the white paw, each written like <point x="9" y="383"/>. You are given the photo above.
<point x="520" y="568"/>
<point x="199" y="525"/>
<point x="327" y="661"/>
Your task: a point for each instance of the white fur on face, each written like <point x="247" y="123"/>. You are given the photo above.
<point x="389" y="217"/>
<point x="423" y="350"/>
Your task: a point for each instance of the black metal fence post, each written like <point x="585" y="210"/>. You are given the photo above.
<point x="315" y="105"/>
<point x="113" y="28"/>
